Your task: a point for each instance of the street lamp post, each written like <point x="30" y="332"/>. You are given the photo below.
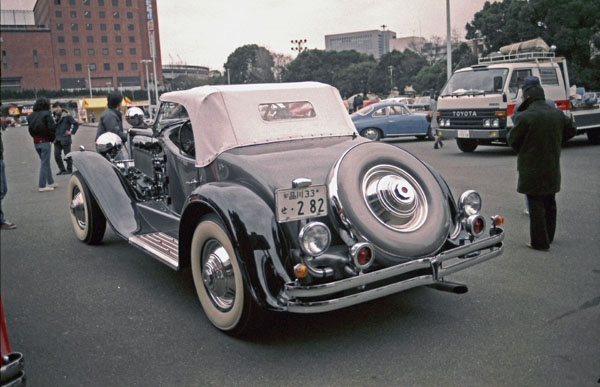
<point x="391" y="78"/>
<point x="153" y="56"/>
<point x="298" y="46"/>
<point x="448" y="42"/>
<point x="145" y="62"/>
<point x="90" y="80"/>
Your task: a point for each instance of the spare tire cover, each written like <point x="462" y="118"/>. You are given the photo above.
<point x="391" y="200"/>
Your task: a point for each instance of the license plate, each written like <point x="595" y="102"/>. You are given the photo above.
<point x="463" y="133"/>
<point x="301" y="203"/>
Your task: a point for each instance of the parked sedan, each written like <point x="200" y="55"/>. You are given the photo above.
<point x="388" y="119"/>
<point x="272" y="199"/>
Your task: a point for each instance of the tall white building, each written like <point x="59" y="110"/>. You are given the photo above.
<point x="374" y="42"/>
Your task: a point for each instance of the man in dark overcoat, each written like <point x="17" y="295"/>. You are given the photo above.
<point x="537" y="138"/>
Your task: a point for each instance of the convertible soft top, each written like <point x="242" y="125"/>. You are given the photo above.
<point x="226" y="117"/>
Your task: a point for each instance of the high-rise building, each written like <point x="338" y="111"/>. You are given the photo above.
<point x="74" y="42"/>
<point x="374" y="42"/>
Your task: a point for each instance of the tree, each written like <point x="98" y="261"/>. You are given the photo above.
<point x="354" y="78"/>
<point x="250" y="64"/>
<point x="405" y="65"/>
<point x="568" y="24"/>
<point x="321" y="66"/>
<point x="430" y="78"/>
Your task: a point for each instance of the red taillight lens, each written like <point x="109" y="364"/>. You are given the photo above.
<point x="478" y="226"/>
<point x="364" y="256"/>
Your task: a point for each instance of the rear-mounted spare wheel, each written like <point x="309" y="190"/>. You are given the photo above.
<point x="391" y="200"/>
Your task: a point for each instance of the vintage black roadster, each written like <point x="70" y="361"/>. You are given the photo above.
<point x="276" y="203"/>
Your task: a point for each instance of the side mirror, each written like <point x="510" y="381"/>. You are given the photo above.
<point x="497" y="83"/>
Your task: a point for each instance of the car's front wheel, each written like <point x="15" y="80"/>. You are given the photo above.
<point x="87" y="218"/>
<point x="372" y="134"/>
<point x="219" y="281"/>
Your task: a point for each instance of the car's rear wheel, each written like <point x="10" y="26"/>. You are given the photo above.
<point x="466" y="145"/>
<point x="87" y="218"/>
<point x="372" y="134"/>
<point x="219" y="281"/>
<point x="392" y="200"/>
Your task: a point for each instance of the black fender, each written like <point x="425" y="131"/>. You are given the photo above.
<point x="254" y="231"/>
<point x="110" y="190"/>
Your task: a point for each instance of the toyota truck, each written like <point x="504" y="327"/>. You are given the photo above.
<point x="476" y="104"/>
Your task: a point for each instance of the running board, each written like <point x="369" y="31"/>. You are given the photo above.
<point x="160" y="246"/>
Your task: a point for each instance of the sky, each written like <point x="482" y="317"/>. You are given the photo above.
<point x="205" y="33"/>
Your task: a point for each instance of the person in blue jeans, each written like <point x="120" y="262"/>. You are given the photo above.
<point x="43" y="130"/>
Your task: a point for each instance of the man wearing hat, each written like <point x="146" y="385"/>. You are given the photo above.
<point x="65" y="127"/>
<point x="537" y="136"/>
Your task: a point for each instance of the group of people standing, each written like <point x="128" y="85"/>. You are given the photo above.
<point x="54" y="129"/>
<point x="48" y="128"/>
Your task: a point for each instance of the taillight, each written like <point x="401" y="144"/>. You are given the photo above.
<point x="475" y="225"/>
<point x="362" y="255"/>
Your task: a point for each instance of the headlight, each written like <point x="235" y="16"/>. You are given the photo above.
<point x="496" y="123"/>
<point x="470" y="202"/>
<point x="314" y="238"/>
<point x="486" y="123"/>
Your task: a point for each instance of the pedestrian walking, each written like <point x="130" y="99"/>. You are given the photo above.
<point x="432" y="119"/>
<point x="66" y="126"/>
<point x="4" y="224"/>
<point x="43" y="131"/>
<point x="111" y="119"/>
<point x="537" y="137"/>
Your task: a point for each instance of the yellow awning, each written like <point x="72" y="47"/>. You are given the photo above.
<point x="94" y="103"/>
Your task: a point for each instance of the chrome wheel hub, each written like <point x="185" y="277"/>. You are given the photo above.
<point x="371" y="134"/>
<point x="394" y="198"/>
<point x="218" y="275"/>
<point x="77" y="208"/>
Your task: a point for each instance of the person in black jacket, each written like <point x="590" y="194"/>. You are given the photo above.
<point x="111" y="120"/>
<point x="43" y="131"/>
<point x="65" y="127"/>
<point x="537" y="137"/>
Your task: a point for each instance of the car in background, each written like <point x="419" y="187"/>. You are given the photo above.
<point x="408" y="101"/>
<point x="421" y="104"/>
<point x="390" y="119"/>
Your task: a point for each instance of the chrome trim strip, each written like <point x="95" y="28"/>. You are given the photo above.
<point x="160" y="246"/>
<point x="348" y="283"/>
<point x="325" y="306"/>
<point x="294" y="291"/>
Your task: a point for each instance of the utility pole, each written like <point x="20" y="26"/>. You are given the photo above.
<point x="448" y="42"/>
<point x="90" y="80"/>
<point x="391" y="78"/>
<point x="145" y="62"/>
<point x="299" y="44"/>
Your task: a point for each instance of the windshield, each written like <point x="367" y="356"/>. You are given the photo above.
<point x="475" y="82"/>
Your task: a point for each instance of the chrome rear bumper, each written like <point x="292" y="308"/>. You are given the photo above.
<point x="456" y="259"/>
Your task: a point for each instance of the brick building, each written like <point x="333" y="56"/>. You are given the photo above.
<point x="73" y="42"/>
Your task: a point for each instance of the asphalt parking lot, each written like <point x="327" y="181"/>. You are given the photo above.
<point x="110" y="315"/>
